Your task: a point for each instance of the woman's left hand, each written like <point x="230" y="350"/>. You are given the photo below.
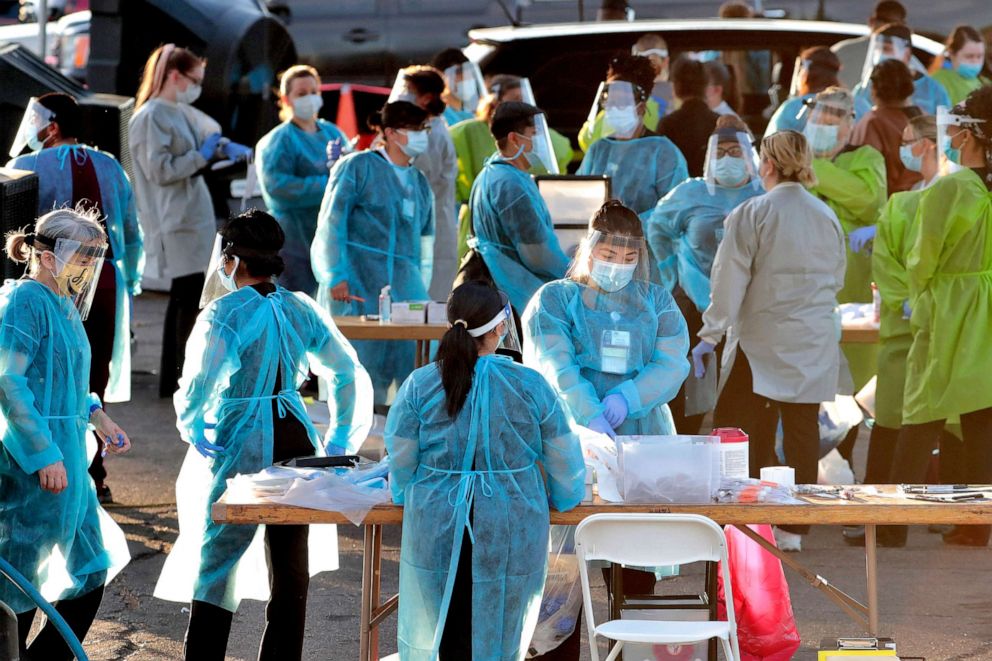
<point x="114" y="438"/>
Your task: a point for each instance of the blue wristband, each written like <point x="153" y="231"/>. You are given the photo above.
<point x="94" y="407"/>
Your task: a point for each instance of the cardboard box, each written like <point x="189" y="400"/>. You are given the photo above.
<point x="437" y="312"/>
<point x="408" y="312"/>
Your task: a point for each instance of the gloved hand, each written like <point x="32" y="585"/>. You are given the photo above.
<point x="860" y="237"/>
<point x="907" y="312"/>
<point x="334" y="149"/>
<point x="209" y="146"/>
<point x="698" y="351"/>
<point x="208" y="450"/>
<point x="616" y="409"/>
<point x="599" y="424"/>
<point x="236" y="152"/>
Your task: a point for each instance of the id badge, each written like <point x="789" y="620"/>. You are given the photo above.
<point x="615" y="352"/>
<point x="409" y="209"/>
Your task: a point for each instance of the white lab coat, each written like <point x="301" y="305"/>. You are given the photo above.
<point x="775" y="281"/>
<point x="440" y="165"/>
<point x="174" y="207"/>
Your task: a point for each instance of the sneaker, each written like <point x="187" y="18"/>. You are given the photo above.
<point x="788" y="541"/>
<point x="103" y="494"/>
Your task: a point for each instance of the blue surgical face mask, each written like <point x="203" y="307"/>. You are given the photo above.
<point x="622" y="120"/>
<point x="822" y="138"/>
<point x="416" y="143"/>
<point x="969" y="70"/>
<point x="228" y="281"/>
<point x="730" y="171"/>
<point x="305" y="107"/>
<point x="610" y="276"/>
<point x="533" y="160"/>
<point x="911" y="162"/>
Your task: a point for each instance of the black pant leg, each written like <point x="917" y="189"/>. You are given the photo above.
<point x="953" y="465"/>
<point x="180" y="316"/>
<point x="881" y="453"/>
<point x="694" y="322"/>
<point x="79" y="614"/>
<point x="801" y="444"/>
<point x="207" y="634"/>
<point x="738" y="406"/>
<point x="977" y="431"/>
<point x="915" y="447"/>
<point x="289" y="579"/>
<point x="456" y="639"/>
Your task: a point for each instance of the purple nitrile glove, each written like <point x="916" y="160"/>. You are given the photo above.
<point x="860" y="237"/>
<point x="616" y="409"/>
<point x="698" y="351"/>
<point x="599" y="424"/>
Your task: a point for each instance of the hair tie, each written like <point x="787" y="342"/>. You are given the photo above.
<point x="462" y="322"/>
<point x="163" y="59"/>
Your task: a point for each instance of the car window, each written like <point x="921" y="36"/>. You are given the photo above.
<point x="447" y="7"/>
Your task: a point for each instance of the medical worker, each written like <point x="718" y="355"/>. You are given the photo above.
<point x="52" y="529"/>
<point x="818" y="70"/>
<point x="851" y="180"/>
<point x="424" y="87"/>
<point x="70" y="173"/>
<point x="592" y="129"/>
<point x="961" y="68"/>
<point x="611" y="343"/>
<point x="375" y="229"/>
<point x="686" y="227"/>
<point x="896" y="233"/>
<point x="239" y="409"/>
<point x="655" y="48"/>
<point x="788" y="357"/>
<point x="948" y="369"/>
<point x="464" y="85"/>
<point x="512" y="228"/>
<point x="642" y="166"/>
<point x="171" y="143"/>
<point x="479" y="448"/>
<point x="691" y="125"/>
<point x="882" y="127"/>
<point x="292" y="161"/>
<point x="894" y="42"/>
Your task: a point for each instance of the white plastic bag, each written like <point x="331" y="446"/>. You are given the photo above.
<point x="562" y="598"/>
<point x="836" y="419"/>
<point x="834" y="469"/>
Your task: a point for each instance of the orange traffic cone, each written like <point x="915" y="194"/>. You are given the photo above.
<point x="347" y="120"/>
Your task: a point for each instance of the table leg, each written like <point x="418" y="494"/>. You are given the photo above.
<point x="423" y="353"/>
<point x="871" y="571"/>
<point x="364" y="635"/>
<point x="376" y="585"/>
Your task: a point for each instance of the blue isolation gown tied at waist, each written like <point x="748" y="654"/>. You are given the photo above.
<point x="240" y="344"/>
<point x="478" y="474"/>
<point x="64" y="543"/>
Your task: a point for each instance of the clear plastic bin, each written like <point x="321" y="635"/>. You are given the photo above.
<point x="669" y="469"/>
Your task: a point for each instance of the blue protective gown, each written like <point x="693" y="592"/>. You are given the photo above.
<point x="292" y="171"/>
<point x="369" y="234"/>
<point x="785" y="116"/>
<point x="564" y="330"/>
<point x="927" y="95"/>
<point x="452" y="116"/>
<point x="123" y="231"/>
<point x="514" y="231"/>
<point x="64" y="539"/>
<point x="685" y="230"/>
<point x="240" y="343"/>
<point x="478" y="474"/>
<point x="641" y="171"/>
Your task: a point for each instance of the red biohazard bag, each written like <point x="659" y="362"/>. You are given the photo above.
<point x="766" y="627"/>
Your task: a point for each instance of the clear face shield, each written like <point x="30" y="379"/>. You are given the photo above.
<point x="36" y="119"/>
<point x="213" y="286"/>
<point x="622" y="106"/>
<point x="608" y="263"/>
<point x="828" y="127"/>
<point x="504" y="324"/>
<point x="77" y="268"/>
<point x="951" y="128"/>
<point x="883" y="47"/>
<point x="465" y="82"/>
<point x="401" y="90"/>
<point x="543" y="147"/>
<point x="731" y="161"/>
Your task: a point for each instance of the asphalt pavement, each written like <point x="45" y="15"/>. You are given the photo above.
<point x="935" y="600"/>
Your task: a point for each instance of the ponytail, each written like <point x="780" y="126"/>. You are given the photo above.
<point x="470" y="305"/>
<point x="163" y="60"/>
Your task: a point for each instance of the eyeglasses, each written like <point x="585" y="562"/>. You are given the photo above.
<point x="736" y="151"/>
<point x="195" y="81"/>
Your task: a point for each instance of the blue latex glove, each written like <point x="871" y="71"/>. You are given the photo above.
<point x="209" y="146"/>
<point x="860" y="237"/>
<point x="208" y="450"/>
<point x="616" y="409"/>
<point x="599" y="424"/>
<point x="698" y="351"/>
<point x="907" y="312"/>
<point x="236" y="152"/>
<point x="334" y="149"/>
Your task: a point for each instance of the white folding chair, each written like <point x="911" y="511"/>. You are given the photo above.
<point x="651" y="540"/>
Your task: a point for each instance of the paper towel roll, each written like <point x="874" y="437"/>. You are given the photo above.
<point x="784" y="475"/>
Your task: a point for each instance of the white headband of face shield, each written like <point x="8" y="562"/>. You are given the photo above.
<point x="485" y="328"/>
